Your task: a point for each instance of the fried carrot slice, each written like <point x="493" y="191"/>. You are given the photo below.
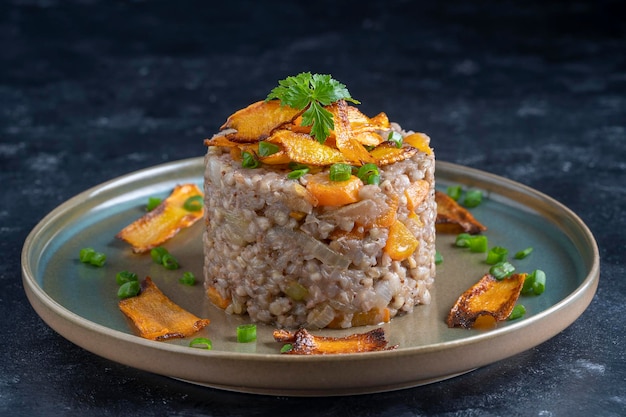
<point x="257" y="121"/>
<point x="453" y="218"/>
<point x="164" y="222"/>
<point x="353" y="151"/>
<point x="304" y="343"/>
<point x="387" y="153"/>
<point x="302" y="148"/>
<point x="419" y="141"/>
<point x="488" y="297"/>
<point x="156" y="317"/>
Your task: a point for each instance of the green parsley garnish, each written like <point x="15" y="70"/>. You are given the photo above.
<point x="312" y="92"/>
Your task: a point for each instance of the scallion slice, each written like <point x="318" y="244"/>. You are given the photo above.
<point x="340" y="172"/>
<point x="153" y="202"/>
<point x="201" y="343"/>
<point x="539" y="285"/>
<point x="517" y="312"/>
<point x="246" y="333"/>
<point x="85" y="255"/>
<point x="169" y="262"/>
<point x="193" y="203"/>
<point x="395" y="138"/>
<point x="369" y="174"/>
<point x="158" y="253"/>
<point x="123" y="277"/>
<point x="267" y="148"/>
<point x="188" y="278"/>
<point x="454" y="192"/>
<point x="496" y="254"/>
<point x="128" y="289"/>
<point x="501" y="270"/>
<point x="476" y="243"/>
<point x="523" y="253"/>
<point x="297" y="173"/>
<point x="248" y="160"/>
<point x="438" y="258"/>
<point x="286" y="348"/>
<point x="472" y="198"/>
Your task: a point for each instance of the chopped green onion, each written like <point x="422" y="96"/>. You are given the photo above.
<point x="396" y="138"/>
<point x="462" y="240"/>
<point x="340" y="172"/>
<point x="517" y="312"/>
<point x="523" y="253"/>
<point x="267" y="148"/>
<point x="297" y="173"/>
<point x="169" y="262"/>
<point x="188" y="279"/>
<point x="454" y="192"/>
<point x="201" y="343"/>
<point x="476" y="243"/>
<point x="85" y="255"/>
<point x="369" y="174"/>
<point x="473" y="198"/>
<point x="438" y="258"/>
<point x="539" y="286"/>
<point x="123" y="277"/>
<point x="153" y="202"/>
<point x="158" y="253"/>
<point x="496" y="254"/>
<point x="501" y="270"/>
<point x="535" y="283"/>
<point x="286" y="348"/>
<point x="246" y="333"/>
<point x="90" y="256"/>
<point x="193" y="203"/>
<point x="248" y="160"/>
<point x="128" y="289"/>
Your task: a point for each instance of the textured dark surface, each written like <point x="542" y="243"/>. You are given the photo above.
<point x="90" y="90"/>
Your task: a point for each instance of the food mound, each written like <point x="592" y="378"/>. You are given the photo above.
<point x="316" y="214"/>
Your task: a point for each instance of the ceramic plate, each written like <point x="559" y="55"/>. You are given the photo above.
<point x="80" y="302"/>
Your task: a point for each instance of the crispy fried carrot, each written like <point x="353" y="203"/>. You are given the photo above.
<point x="352" y="150"/>
<point x="488" y="297"/>
<point x="304" y="343"/>
<point x="163" y="222"/>
<point x="257" y="121"/>
<point x="304" y="149"/>
<point x="216" y="298"/>
<point x="387" y="153"/>
<point x="453" y="218"/>
<point x="419" y="141"/>
<point x="156" y="317"/>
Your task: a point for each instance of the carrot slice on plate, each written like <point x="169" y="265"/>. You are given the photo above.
<point x="165" y="221"/>
<point x="156" y="317"/>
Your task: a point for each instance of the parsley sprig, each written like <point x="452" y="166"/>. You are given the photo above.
<point x="312" y="92"/>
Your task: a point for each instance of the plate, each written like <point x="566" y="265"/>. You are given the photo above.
<point x="80" y="303"/>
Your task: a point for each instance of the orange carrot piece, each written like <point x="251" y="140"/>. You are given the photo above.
<point x="156" y="317"/>
<point x="416" y="193"/>
<point x="164" y="222"/>
<point x="401" y="243"/>
<point x="489" y="296"/>
<point x="334" y="193"/>
<point x="419" y="141"/>
<point x="304" y="149"/>
<point x="353" y="151"/>
<point x="216" y="298"/>
<point x="257" y="121"/>
<point x="304" y="343"/>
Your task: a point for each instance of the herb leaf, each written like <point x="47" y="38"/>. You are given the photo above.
<point x="312" y="92"/>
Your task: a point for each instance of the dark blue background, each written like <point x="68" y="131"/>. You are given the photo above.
<point x="94" y="89"/>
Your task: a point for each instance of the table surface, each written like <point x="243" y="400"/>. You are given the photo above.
<point x="91" y="90"/>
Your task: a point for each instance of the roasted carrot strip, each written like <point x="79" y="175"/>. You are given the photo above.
<point x="304" y="343"/>
<point x="163" y="222"/>
<point x="334" y="193"/>
<point x="353" y="151"/>
<point x="488" y="297"/>
<point x="156" y="317"/>
<point x="304" y="149"/>
<point x="387" y="153"/>
<point x="453" y="218"/>
<point x="257" y="121"/>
